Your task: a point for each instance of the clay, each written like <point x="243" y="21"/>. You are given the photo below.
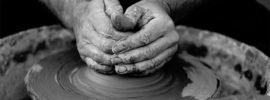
<point x="65" y="77"/>
<point x="207" y="65"/>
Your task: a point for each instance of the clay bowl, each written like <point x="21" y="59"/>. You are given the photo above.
<point x="206" y="66"/>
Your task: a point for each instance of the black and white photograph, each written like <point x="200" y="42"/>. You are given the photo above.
<point x="134" y="49"/>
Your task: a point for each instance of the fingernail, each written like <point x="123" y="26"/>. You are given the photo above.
<point x="121" y="70"/>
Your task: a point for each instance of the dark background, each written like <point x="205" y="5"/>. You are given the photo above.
<point x="244" y="20"/>
<point x="19" y="15"/>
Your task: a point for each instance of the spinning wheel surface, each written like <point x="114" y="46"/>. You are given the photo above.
<point x="67" y="76"/>
<point x="206" y="66"/>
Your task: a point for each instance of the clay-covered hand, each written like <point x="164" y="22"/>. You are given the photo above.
<point x="152" y="45"/>
<point x="95" y="34"/>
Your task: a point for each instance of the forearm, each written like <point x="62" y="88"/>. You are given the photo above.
<point x="177" y="9"/>
<point x="68" y="11"/>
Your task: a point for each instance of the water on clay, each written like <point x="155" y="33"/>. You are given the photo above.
<point x="66" y="78"/>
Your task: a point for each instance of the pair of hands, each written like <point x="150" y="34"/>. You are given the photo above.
<point x="107" y="44"/>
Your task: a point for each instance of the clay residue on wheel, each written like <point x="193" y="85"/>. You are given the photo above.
<point x="20" y="51"/>
<point x="239" y="66"/>
<point x="71" y="79"/>
<point x="239" y="72"/>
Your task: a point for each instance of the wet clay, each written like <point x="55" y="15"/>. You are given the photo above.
<point x="237" y="71"/>
<point x="65" y="77"/>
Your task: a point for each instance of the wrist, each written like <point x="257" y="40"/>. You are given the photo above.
<point x="177" y="9"/>
<point x="164" y="4"/>
<point x="78" y="15"/>
<point x="66" y="10"/>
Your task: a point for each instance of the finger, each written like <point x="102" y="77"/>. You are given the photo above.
<point x="143" y="73"/>
<point x="123" y="23"/>
<point x="113" y="8"/>
<point x="154" y="69"/>
<point x="145" y="18"/>
<point x="89" y="50"/>
<point x="129" y="21"/>
<point x="97" y="67"/>
<point x="99" y="19"/>
<point x="150" y="32"/>
<point x="87" y="34"/>
<point x="146" y="65"/>
<point x="102" y="21"/>
<point x="149" y="51"/>
<point x="115" y="12"/>
<point x="149" y="12"/>
<point x="134" y="13"/>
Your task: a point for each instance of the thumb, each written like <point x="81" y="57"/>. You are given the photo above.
<point x="113" y="8"/>
<point x="134" y="13"/>
<point x="115" y="12"/>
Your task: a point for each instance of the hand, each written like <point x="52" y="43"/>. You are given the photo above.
<point x="152" y="46"/>
<point x="95" y="34"/>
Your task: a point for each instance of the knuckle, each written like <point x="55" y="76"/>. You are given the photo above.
<point x="131" y="59"/>
<point x="149" y="51"/>
<point x="96" y="58"/>
<point x="134" y="10"/>
<point x="100" y="59"/>
<point x="118" y="8"/>
<point x="131" y="68"/>
<point x="147" y="66"/>
<point x="90" y="62"/>
<point x="128" y="59"/>
<point x="114" y="10"/>
<point x="145" y="39"/>
<point x="95" y="65"/>
<point x="141" y="68"/>
<point x="148" y="14"/>
<point x="153" y="69"/>
<point x="152" y="63"/>
<point x="106" y="32"/>
<point x="126" y="45"/>
<point x="125" y="59"/>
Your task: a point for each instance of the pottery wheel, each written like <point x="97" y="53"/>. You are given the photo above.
<point x="65" y="77"/>
<point x="206" y="66"/>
